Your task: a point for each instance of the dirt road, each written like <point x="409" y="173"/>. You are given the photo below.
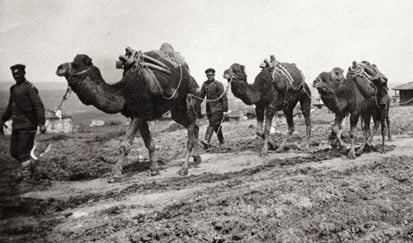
<point x="233" y="195"/>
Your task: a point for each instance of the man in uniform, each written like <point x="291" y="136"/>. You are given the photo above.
<point x="26" y="110"/>
<point x="216" y="105"/>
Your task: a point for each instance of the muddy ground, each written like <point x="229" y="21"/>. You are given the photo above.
<point x="234" y="195"/>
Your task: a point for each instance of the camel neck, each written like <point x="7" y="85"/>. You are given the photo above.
<point x="248" y="93"/>
<point x="105" y="97"/>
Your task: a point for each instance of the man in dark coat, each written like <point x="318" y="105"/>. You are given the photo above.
<point x="26" y="110"/>
<point x="216" y="105"/>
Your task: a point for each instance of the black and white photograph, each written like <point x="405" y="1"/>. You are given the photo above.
<point x="206" y="121"/>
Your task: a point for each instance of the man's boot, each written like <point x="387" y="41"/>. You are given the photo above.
<point x="220" y="136"/>
<point x="26" y="170"/>
<point x="208" y="135"/>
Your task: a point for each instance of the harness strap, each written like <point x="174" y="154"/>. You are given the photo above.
<point x="284" y="72"/>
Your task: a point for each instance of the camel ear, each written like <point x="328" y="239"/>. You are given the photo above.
<point x="338" y="71"/>
<point x="243" y="68"/>
<point x="88" y="61"/>
<point x="354" y="64"/>
<point x="272" y="58"/>
<point x="337" y="74"/>
<point x="83" y="59"/>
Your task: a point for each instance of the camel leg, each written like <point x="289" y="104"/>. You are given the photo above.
<point x="289" y="116"/>
<point x="269" y="115"/>
<point x="305" y="104"/>
<point x="193" y="133"/>
<point x="185" y="118"/>
<point x="192" y="149"/>
<point x="383" y="114"/>
<point x="375" y="128"/>
<point x="125" y="148"/>
<point x="259" y="111"/>
<point x="193" y="109"/>
<point x="338" y="129"/>
<point x="149" y="144"/>
<point x="353" y="123"/>
<point x="366" y="131"/>
<point x="388" y="124"/>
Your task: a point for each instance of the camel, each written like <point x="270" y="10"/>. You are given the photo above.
<point x="377" y="105"/>
<point x="382" y="91"/>
<point x="343" y="97"/>
<point x="271" y="92"/>
<point x="132" y="98"/>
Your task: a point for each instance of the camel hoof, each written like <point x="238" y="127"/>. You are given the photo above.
<point x="154" y="171"/>
<point x="307" y="149"/>
<point x="197" y="160"/>
<point x="114" y="179"/>
<point x="352" y="155"/>
<point x="182" y="171"/>
<point x="280" y="149"/>
<point x="260" y="134"/>
<point x="343" y="149"/>
<point x="272" y="145"/>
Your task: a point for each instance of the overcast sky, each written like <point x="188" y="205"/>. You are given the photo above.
<point x="317" y="35"/>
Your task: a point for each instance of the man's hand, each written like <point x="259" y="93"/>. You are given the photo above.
<point x="2" y="125"/>
<point x="43" y="128"/>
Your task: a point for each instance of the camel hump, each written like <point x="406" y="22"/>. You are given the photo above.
<point x="168" y="54"/>
<point x="291" y="73"/>
<point x="166" y="47"/>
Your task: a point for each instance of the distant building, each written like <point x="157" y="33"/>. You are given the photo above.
<point x="405" y="93"/>
<point x="97" y="123"/>
<point x="57" y="122"/>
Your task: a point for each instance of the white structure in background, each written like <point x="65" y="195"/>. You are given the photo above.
<point x="59" y="114"/>
<point x="56" y="122"/>
<point x="97" y="123"/>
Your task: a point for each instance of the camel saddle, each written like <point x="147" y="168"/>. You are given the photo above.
<point x="294" y="79"/>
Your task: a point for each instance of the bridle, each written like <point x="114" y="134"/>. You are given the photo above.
<point x="72" y="74"/>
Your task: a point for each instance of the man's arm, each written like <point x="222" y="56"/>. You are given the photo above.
<point x="37" y="105"/>
<point x="203" y="92"/>
<point x="224" y="99"/>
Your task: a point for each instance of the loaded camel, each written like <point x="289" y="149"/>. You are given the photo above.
<point x="133" y="96"/>
<point x="279" y="86"/>
<point x="346" y="96"/>
<point x="377" y="93"/>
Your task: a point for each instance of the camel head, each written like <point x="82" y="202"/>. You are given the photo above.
<point x="80" y="68"/>
<point x="236" y="72"/>
<point x="329" y="80"/>
<point x="227" y="75"/>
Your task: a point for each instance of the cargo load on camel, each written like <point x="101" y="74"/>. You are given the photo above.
<point x="374" y="76"/>
<point x="161" y="61"/>
<point x="293" y="79"/>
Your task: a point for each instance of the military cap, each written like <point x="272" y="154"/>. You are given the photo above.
<point x="210" y="70"/>
<point x="17" y="67"/>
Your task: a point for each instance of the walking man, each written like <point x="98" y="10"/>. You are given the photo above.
<point x="216" y="105"/>
<point x="26" y="110"/>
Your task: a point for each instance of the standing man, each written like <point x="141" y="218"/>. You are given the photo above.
<point x="27" y="113"/>
<point x="216" y="105"/>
